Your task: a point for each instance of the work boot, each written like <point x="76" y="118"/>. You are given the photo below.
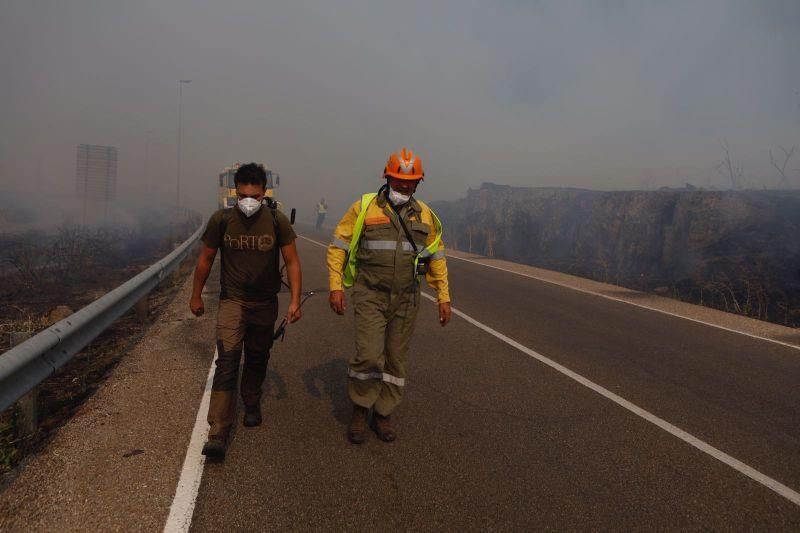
<point x="252" y="415"/>
<point x="383" y="427"/>
<point x="357" y="431"/>
<point x="216" y="446"/>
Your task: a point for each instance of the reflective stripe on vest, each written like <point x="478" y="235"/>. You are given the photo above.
<point x="351" y="267"/>
<point x="339" y="243"/>
<point x="386" y="245"/>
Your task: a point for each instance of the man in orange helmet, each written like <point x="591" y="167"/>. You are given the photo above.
<point x="381" y="247"/>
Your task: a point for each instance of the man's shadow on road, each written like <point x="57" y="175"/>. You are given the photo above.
<point x="274" y="382"/>
<point x="332" y="378"/>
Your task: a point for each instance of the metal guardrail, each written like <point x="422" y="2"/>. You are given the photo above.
<point x="25" y="366"/>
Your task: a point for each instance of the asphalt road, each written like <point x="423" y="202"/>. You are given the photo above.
<point x="493" y="434"/>
<point x="492" y="439"/>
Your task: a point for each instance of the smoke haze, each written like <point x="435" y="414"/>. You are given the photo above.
<point x="618" y="95"/>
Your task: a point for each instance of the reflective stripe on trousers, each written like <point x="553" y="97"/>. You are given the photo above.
<point x="383" y="376"/>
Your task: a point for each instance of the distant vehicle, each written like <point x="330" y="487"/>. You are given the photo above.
<point x="227" y="190"/>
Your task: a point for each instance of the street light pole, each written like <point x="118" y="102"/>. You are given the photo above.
<point x="180" y="127"/>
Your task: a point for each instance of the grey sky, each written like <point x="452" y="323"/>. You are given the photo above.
<point x="604" y="95"/>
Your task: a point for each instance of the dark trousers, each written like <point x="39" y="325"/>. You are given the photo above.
<point x="240" y="325"/>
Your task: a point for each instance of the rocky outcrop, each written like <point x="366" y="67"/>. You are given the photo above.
<point x="737" y="250"/>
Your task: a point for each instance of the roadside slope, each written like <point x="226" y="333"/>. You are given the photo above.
<point x="115" y="465"/>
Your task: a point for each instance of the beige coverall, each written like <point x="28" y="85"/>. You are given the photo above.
<point x="385" y="295"/>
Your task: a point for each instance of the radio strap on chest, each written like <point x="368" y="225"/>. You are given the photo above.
<point x="351" y="266"/>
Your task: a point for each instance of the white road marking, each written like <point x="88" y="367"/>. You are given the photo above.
<point x="180" y="514"/>
<point x="312" y="240"/>
<point x="615" y="299"/>
<point x="673" y="430"/>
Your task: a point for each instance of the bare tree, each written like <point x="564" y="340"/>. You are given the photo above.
<point x="727" y="170"/>
<point x="787" y="155"/>
<point x="490" y="240"/>
<point x="30" y="261"/>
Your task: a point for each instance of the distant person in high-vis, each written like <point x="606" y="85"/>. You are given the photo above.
<point x="252" y="236"/>
<point x="322" y="210"/>
<point x="381" y="248"/>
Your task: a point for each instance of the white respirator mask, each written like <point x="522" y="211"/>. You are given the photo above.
<point x="398" y="198"/>
<point x="249" y="206"/>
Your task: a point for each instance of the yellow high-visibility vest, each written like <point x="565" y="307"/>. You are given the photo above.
<point x="351" y="264"/>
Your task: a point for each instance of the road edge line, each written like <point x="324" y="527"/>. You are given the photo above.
<point x="760" y="478"/>
<point x="768" y="482"/>
<point x="312" y="240"/>
<point x="620" y="300"/>
<point x="182" y="508"/>
<point x="613" y="299"/>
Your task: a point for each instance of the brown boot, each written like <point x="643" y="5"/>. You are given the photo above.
<point x="216" y="446"/>
<point x="383" y="427"/>
<point x="357" y="431"/>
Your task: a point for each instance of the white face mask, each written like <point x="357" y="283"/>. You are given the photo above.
<point x="249" y="206"/>
<point x="397" y="198"/>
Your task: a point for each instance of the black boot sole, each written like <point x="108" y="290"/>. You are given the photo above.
<point x="251" y="422"/>
<point x="214" y="451"/>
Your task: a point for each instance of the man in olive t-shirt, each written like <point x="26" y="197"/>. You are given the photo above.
<point x="250" y="237"/>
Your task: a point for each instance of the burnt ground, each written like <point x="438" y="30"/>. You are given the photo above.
<point x="38" y="289"/>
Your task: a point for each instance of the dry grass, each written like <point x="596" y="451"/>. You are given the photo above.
<point x="72" y="268"/>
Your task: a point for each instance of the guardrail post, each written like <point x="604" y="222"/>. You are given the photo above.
<point x="27" y="410"/>
<point x="175" y="275"/>
<point x="142" y="308"/>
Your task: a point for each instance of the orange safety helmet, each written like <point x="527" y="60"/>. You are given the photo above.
<point x="404" y="165"/>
